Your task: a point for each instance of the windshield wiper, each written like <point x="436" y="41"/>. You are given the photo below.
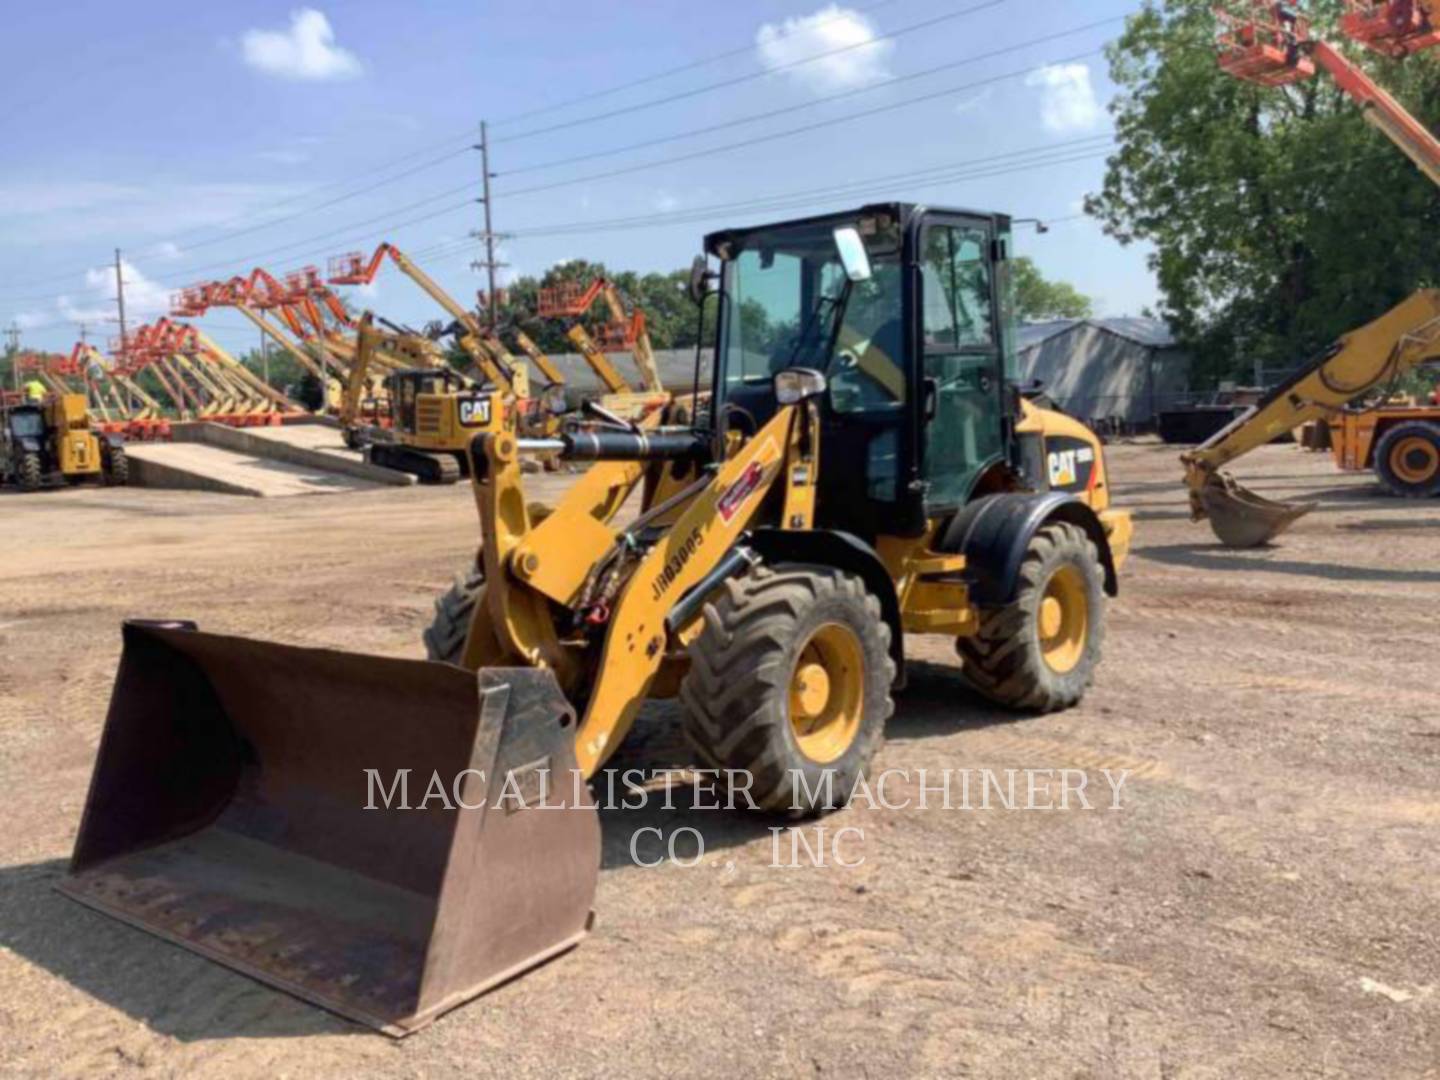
<point x="832" y="309"/>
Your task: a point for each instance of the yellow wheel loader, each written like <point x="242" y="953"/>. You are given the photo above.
<point x="388" y="838"/>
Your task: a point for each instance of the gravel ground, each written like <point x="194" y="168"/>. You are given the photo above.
<point x="1264" y="902"/>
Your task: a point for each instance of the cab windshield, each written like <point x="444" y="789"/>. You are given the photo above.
<point x="27" y="424"/>
<point x="788" y="305"/>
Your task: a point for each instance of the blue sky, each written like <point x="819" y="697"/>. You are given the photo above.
<point x="204" y="140"/>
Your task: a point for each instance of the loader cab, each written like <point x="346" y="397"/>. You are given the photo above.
<point x="915" y="346"/>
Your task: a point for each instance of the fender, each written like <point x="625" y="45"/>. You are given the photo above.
<point x="994" y="531"/>
<point x="114" y="439"/>
<point x="829" y="547"/>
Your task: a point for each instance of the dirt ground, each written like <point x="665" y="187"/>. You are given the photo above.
<point x="1266" y="901"/>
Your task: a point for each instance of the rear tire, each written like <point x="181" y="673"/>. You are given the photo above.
<point x="445" y="636"/>
<point x="1039" y="652"/>
<point x="790" y="680"/>
<point x="1407" y="460"/>
<point x="29" y="476"/>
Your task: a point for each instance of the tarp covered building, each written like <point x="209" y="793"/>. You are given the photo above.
<point x="1122" y="371"/>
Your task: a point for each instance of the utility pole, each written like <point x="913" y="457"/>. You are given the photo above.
<point x="12" y="337"/>
<point x="489" y="235"/>
<point x="120" y="303"/>
<point x="264" y="353"/>
<point x="120" y="300"/>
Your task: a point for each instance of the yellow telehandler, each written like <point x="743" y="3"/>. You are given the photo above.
<point x="866" y="470"/>
<point x="1273" y="44"/>
<point x="1402" y="444"/>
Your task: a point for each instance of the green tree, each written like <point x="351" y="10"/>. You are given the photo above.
<point x="1038" y="299"/>
<point x="1279" y="218"/>
<point x="669" y="314"/>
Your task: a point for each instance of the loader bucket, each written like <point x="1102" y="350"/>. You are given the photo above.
<point x="1242" y="519"/>
<point x="231" y="812"/>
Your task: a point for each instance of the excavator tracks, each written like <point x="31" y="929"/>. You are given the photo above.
<point x="429" y="468"/>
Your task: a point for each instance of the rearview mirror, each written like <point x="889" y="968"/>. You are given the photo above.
<point x="700" y="275"/>
<point x="853" y="255"/>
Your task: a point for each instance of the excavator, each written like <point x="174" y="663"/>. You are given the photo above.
<point x="1273" y="44"/>
<point x="431" y="412"/>
<point x="389" y="838"/>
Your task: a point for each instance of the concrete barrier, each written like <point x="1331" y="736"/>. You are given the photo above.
<point x="157" y="472"/>
<point x="274" y="444"/>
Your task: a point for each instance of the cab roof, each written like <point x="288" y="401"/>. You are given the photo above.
<point x="906" y="213"/>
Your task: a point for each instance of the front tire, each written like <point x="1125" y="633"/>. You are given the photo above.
<point x="1039" y="652"/>
<point x="445" y="636"/>
<point x="790" y="682"/>
<point x="117" y="467"/>
<point x="1407" y="459"/>
<point x="29" y="476"/>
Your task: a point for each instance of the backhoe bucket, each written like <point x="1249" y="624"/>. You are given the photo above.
<point x="365" y="833"/>
<point x="1242" y="519"/>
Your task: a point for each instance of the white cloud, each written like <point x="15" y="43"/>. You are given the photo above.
<point x="858" y="58"/>
<point x="145" y="299"/>
<point x="306" y="51"/>
<point x="168" y="249"/>
<point x="665" y="202"/>
<point x="1067" y="101"/>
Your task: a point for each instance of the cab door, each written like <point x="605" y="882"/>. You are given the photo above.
<point x="961" y="358"/>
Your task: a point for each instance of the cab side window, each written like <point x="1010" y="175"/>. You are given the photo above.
<point x="960" y="361"/>
<point x="957" y="289"/>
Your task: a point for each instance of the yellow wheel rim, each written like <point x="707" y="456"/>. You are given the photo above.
<point x="1063" y="620"/>
<point x="1415" y="459"/>
<point x="827" y="693"/>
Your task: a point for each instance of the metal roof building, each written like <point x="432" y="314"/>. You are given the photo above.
<point x="1122" y="370"/>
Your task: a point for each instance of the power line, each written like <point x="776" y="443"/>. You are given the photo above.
<point x="812" y="103"/>
<point x="737" y="80"/>
<point x="791" y="132"/>
<point x="447" y="140"/>
<point x="692" y="65"/>
<point x="1064" y="155"/>
<point x="159" y="245"/>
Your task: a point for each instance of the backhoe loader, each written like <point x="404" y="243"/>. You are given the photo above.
<point x="867" y="470"/>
